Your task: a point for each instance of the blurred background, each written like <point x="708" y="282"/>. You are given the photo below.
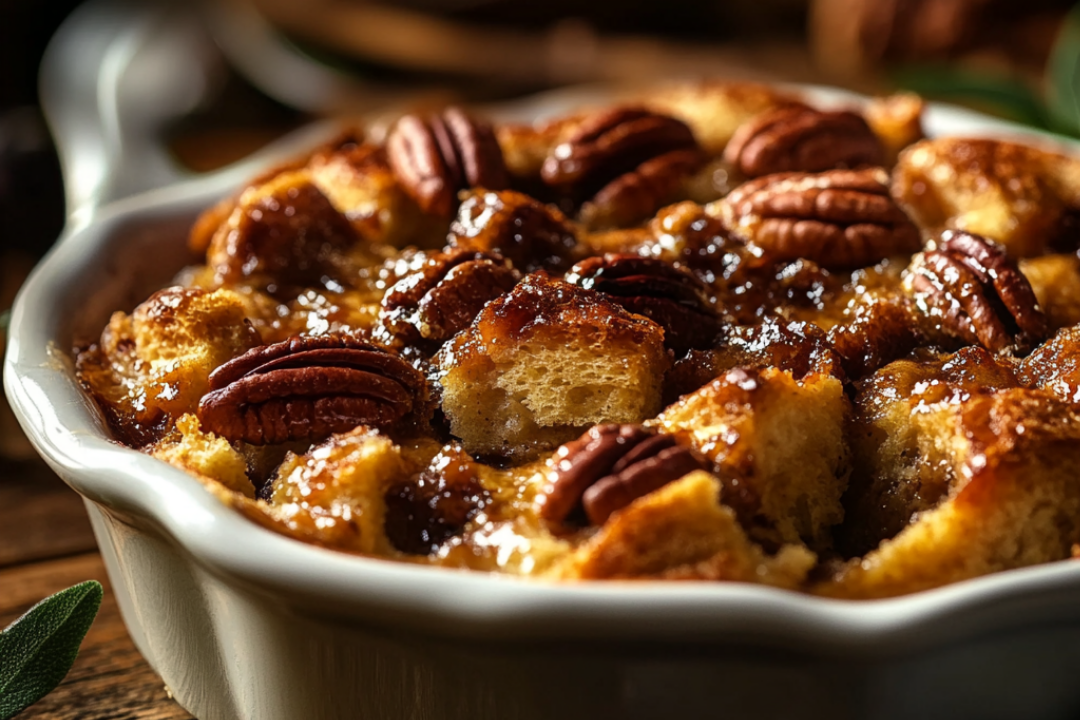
<point x="272" y="65"/>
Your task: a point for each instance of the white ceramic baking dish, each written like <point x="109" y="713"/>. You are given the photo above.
<point x="243" y="623"/>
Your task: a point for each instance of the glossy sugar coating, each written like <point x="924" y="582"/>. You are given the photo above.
<point x="856" y="443"/>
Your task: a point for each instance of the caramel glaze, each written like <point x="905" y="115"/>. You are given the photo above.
<point x="1055" y="366"/>
<point x="543" y="300"/>
<point x="302" y="264"/>
<point x="115" y="384"/>
<point x="929" y="379"/>
<point x="903" y="395"/>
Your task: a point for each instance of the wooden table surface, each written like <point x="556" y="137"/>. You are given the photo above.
<point x="46" y="545"/>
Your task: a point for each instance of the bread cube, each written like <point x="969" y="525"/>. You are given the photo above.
<point x="334" y="494"/>
<point x="1011" y="463"/>
<point x="681" y="531"/>
<point x="1016" y="195"/>
<point x="208" y="457"/>
<point x="779" y="444"/>
<point x="902" y="440"/>
<point x="713" y="109"/>
<point x="286" y="232"/>
<point x="544" y="362"/>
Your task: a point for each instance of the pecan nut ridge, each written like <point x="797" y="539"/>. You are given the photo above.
<point x="435" y="158"/>
<point x="428" y="307"/>
<point x="610" y="144"/>
<point x="636" y="195"/>
<point x="670" y="296"/>
<point x="308" y="388"/>
<point x="609" y="467"/>
<point x="797" y="138"/>
<point x="976" y="292"/>
<point x="839" y="219"/>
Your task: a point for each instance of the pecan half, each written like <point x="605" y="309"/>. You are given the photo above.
<point x="610" y="144"/>
<point x="797" y="138"/>
<point x="669" y="296"/>
<point x="636" y="196"/>
<point x="426" y="511"/>
<point x="609" y="467"/>
<point x="308" y="388"/>
<point x="976" y="292"/>
<point x="436" y="157"/>
<point x="529" y="234"/>
<point x="430" y="306"/>
<point x="838" y="219"/>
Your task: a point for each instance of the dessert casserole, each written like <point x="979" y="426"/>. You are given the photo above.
<point x="709" y="332"/>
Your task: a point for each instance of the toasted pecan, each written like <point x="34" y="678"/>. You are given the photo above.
<point x="669" y="296"/>
<point x="628" y="160"/>
<point x="609" y="467"/>
<point x="976" y="292"/>
<point x="308" y="388"/>
<point x="428" y="307"/>
<point x="433" y="158"/>
<point x="531" y="235"/>
<point x="797" y="138"/>
<point x="838" y="219"/>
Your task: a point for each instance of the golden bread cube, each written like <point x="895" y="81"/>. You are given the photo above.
<point x="779" y="444"/>
<point x="153" y="366"/>
<point x="681" y="531"/>
<point x="1056" y="281"/>
<point x="334" y="494"/>
<point x="206" y="456"/>
<point x="358" y="181"/>
<point x="286" y="232"/>
<point x="1012" y="465"/>
<point x="714" y="109"/>
<point x="525" y="147"/>
<point x="544" y="362"/>
<point x="181" y="335"/>
<point x="1054" y="366"/>
<point x="902" y="448"/>
<point x="1014" y="194"/>
<point x="897" y="121"/>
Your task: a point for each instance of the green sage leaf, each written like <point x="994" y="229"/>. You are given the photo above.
<point x="5" y="321"/>
<point x="38" y="649"/>
<point x="1063" y="75"/>
<point x="1000" y="95"/>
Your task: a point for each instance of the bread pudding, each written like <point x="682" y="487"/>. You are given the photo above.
<point x="710" y="332"/>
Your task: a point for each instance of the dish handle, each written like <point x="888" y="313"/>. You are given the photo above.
<point x="114" y="75"/>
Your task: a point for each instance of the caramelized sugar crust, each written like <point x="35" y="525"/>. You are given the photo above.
<point x="829" y="355"/>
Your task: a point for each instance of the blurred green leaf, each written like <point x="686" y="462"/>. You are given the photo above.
<point x="1003" y="96"/>
<point x="38" y="649"/>
<point x="5" y="321"/>
<point x="1063" y="76"/>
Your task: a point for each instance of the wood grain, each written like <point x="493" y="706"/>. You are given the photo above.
<point x="110" y="679"/>
<point x="40" y="516"/>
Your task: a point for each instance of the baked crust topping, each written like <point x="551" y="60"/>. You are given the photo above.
<point x="711" y="333"/>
